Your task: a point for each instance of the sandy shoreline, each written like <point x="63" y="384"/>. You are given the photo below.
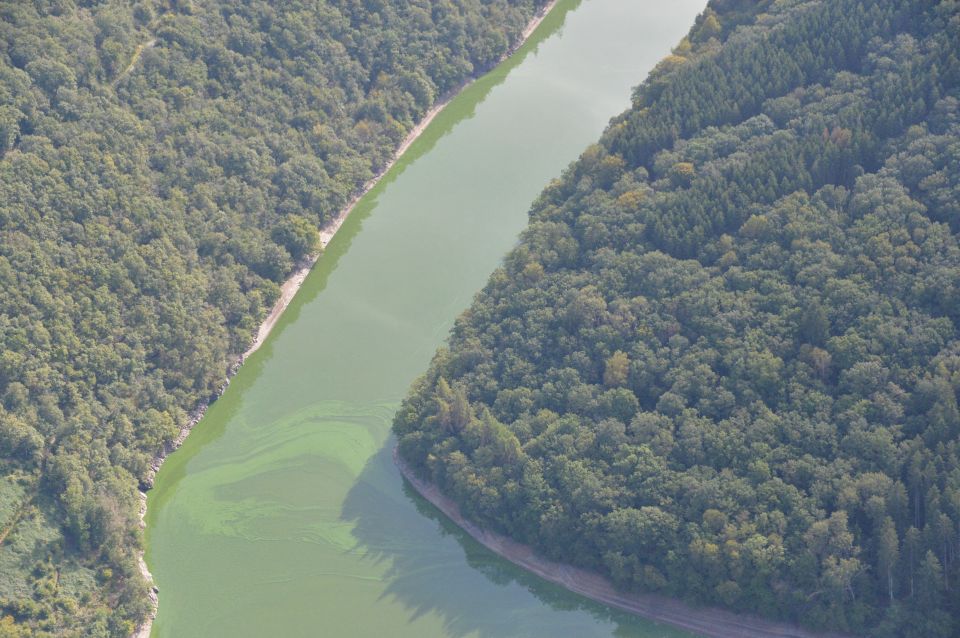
<point x="705" y="621"/>
<point x="327" y="233"/>
<point x="289" y="289"/>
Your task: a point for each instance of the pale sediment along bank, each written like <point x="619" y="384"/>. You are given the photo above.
<point x="290" y="287"/>
<point x="704" y="621"/>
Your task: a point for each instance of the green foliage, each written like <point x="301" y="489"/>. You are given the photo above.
<point x="297" y="235"/>
<point x="727" y="343"/>
<point x="163" y="166"/>
<point x="616" y="370"/>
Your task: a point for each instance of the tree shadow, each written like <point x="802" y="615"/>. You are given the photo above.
<point x="423" y="556"/>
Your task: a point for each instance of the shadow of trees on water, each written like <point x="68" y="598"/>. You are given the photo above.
<point x="423" y="553"/>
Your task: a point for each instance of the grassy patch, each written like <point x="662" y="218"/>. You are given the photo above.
<point x="14" y="488"/>
<point x="41" y="578"/>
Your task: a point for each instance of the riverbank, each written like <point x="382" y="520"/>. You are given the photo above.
<point x="292" y="285"/>
<point x="327" y="233"/>
<point x="705" y="621"/>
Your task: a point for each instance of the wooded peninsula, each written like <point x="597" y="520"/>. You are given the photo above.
<point x="722" y="363"/>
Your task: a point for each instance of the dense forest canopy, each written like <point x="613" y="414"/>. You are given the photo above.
<point x="163" y="166"/>
<point x="723" y="361"/>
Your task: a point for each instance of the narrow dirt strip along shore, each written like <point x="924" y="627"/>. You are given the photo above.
<point x="290" y="287"/>
<point x="705" y="621"/>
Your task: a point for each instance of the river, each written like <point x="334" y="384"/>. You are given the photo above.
<point x="283" y="514"/>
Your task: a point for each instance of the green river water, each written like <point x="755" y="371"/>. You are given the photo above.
<point x="283" y="514"/>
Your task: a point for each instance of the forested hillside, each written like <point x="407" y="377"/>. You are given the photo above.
<point x="163" y="166"/>
<point x="723" y="361"/>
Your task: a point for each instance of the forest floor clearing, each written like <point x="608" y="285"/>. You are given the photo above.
<point x="133" y="61"/>
<point x="21" y="510"/>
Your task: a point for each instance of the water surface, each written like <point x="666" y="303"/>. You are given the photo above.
<point x="282" y="514"/>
